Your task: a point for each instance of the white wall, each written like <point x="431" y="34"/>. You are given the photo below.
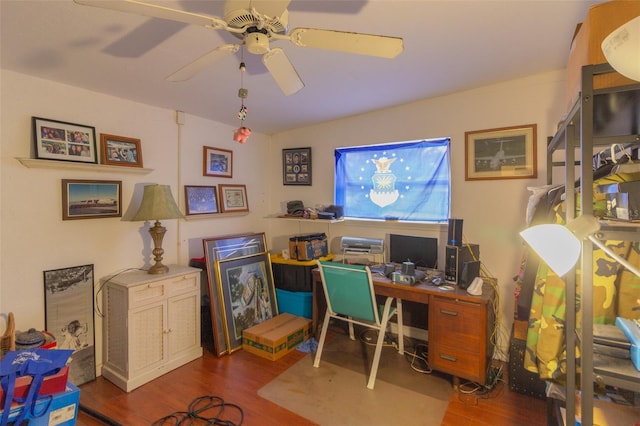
<point x="493" y="210"/>
<point x="34" y="236"/>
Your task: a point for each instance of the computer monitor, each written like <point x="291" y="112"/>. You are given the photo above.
<point x="422" y="251"/>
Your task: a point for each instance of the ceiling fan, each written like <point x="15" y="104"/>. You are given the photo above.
<point x="255" y="29"/>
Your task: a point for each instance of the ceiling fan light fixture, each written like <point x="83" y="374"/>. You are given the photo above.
<point x="257" y="43"/>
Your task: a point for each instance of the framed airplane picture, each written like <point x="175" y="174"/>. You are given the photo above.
<point x="502" y="153"/>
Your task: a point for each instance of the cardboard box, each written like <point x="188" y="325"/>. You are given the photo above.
<point x="308" y="247"/>
<point x="276" y="337"/>
<point x="51" y="385"/>
<point x="586" y="47"/>
<point x="62" y="411"/>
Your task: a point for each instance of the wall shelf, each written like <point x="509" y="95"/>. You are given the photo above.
<point x="301" y="219"/>
<point x="34" y="163"/>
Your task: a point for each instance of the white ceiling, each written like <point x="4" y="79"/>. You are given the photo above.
<point x="448" y="46"/>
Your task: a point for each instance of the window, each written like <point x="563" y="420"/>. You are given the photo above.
<point x="408" y="181"/>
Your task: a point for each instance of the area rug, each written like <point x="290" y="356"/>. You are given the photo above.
<point x="336" y="393"/>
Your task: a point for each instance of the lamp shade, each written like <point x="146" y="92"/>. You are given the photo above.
<point x="555" y="244"/>
<point x="157" y="204"/>
<point x="622" y="49"/>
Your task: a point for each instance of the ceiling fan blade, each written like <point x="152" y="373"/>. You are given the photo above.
<point x="156" y="11"/>
<point x="190" y="70"/>
<point x="363" y="44"/>
<point x="270" y="8"/>
<point x="282" y="71"/>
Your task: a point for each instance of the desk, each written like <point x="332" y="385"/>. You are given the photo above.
<point x="460" y="325"/>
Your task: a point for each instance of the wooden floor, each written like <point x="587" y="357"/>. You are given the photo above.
<point x="236" y="379"/>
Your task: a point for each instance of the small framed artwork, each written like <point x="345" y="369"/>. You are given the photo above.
<point x="296" y="166"/>
<point x="68" y="294"/>
<point x="201" y="199"/>
<point x="233" y="198"/>
<point x="120" y="151"/>
<point x="217" y="162"/>
<point x="216" y="249"/>
<point x="59" y="140"/>
<point x="503" y="153"/>
<point x="248" y="294"/>
<point x="91" y="199"/>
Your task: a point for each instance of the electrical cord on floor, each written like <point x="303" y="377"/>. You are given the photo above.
<point x="198" y="412"/>
<point x="98" y="416"/>
<point x="418" y="357"/>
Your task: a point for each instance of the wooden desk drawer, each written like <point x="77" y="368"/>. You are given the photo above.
<point x="458" y="323"/>
<point x="457" y="362"/>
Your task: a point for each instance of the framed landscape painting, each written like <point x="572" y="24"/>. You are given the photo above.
<point x="91" y="199"/>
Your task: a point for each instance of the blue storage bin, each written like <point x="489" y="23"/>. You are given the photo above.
<point x="295" y="302"/>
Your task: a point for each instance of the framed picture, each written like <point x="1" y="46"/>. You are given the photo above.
<point x="91" y="199"/>
<point x="69" y="317"/>
<point x="248" y="294"/>
<point x="296" y="166"/>
<point x="504" y="153"/>
<point x="59" y="140"/>
<point x="200" y="199"/>
<point x="233" y="198"/>
<point x="120" y="151"/>
<point x="216" y="249"/>
<point x="217" y="162"/>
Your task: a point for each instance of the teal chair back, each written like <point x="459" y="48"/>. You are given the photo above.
<point x="349" y="291"/>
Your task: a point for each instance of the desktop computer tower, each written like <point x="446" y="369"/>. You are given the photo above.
<point x="459" y="261"/>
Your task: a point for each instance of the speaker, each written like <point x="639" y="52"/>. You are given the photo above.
<point x="470" y="270"/>
<point x="455" y="258"/>
<point x="455" y="232"/>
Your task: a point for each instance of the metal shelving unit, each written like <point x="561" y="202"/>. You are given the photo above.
<point x="578" y="137"/>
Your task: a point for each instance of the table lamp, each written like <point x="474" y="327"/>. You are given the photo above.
<point x="559" y="246"/>
<point x="157" y="204"/>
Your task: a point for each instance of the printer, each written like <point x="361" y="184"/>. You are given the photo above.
<point x="362" y="245"/>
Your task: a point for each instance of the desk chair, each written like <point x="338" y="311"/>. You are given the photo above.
<point x="351" y="298"/>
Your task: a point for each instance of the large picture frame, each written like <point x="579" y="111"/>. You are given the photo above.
<point x="91" y="199"/>
<point x="233" y="198"/>
<point x="200" y="199"/>
<point x="501" y="153"/>
<point x="69" y="317"/>
<point x="216" y="249"/>
<point x="217" y="162"/>
<point x="296" y="166"/>
<point x="120" y="151"/>
<point x="59" y="140"/>
<point x="248" y="294"/>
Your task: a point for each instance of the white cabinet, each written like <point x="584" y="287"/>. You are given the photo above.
<point x="151" y="324"/>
